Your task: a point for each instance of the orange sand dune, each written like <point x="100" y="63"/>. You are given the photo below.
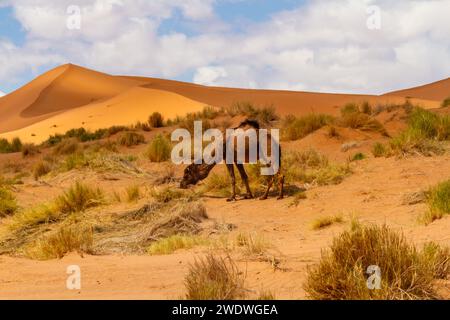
<point x="437" y="91"/>
<point x="70" y="96"/>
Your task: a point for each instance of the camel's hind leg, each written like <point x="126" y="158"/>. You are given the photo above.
<point x="230" y="168"/>
<point x="244" y="177"/>
<point x="281" y="186"/>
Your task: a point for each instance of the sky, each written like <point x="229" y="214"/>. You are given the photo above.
<point x="344" y="46"/>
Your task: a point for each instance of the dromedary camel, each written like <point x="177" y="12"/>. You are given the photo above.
<point x="197" y="172"/>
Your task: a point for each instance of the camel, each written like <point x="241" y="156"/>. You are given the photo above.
<point x="198" y="172"/>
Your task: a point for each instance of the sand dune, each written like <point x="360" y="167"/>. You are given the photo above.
<point x="437" y="91"/>
<point x="71" y="96"/>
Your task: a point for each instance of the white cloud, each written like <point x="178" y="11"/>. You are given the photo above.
<point x="320" y="46"/>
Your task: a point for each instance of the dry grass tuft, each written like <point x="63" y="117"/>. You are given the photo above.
<point x="130" y="139"/>
<point x="78" y="198"/>
<point x="8" y="204"/>
<point x="159" y="149"/>
<point x="176" y="242"/>
<point x="156" y="120"/>
<point x="40" y="169"/>
<point x="214" y="278"/>
<point x="133" y="193"/>
<point x="324" y="222"/>
<point x="438" y="200"/>
<point x="406" y="273"/>
<point x="61" y="242"/>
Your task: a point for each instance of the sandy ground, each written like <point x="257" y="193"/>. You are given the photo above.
<point x="373" y="193"/>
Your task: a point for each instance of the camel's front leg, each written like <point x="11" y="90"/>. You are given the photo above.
<point x="281" y="186"/>
<point x="230" y="168"/>
<point x="269" y="185"/>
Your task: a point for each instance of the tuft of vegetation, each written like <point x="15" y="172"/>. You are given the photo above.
<point x="297" y="128"/>
<point x="156" y="120"/>
<point x="133" y="193"/>
<point x="311" y="167"/>
<point x="342" y="274"/>
<point x="8" y="204"/>
<point x="445" y="103"/>
<point x="423" y="135"/>
<point x="41" y="169"/>
<point x="130" y="139"/>
<point x="67" y="147"/>
<point x="254" y="244"/>
<point x="10" y="147"/>
<point x="379" y="150"/>
<point x="439" y="259"/>
<point x="29" y="150"/>
<point x="358" y="157"/>
<point x="58" y="244"/>
<point x="438" y="200"/>
<point x="78" y="198"/>
<point x="159" y="149"/>
<point x="29" y="218"/>
<point x="214" y="278"/>
<point x="324" y="222"/>
<point x="173" y="243"/>
<point x="354" y="117"/>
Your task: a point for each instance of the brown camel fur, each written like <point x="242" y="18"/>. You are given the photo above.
<point x="197" y="172"/>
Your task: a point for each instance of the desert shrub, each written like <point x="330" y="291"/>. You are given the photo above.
<point x="296" y="128"/>
<point x="10" y="147"/>
<point x="41" y="169"/>
<point x="324" y="222"/>
<point x="29" y="150"/>
<point x="74" y="161"/>
<point x="44" y="213"/>
<point x="341" y="273"/>
<point x="333" y="132"/>
<point x="133" y="193"/>
<point x="309" y="166"/>
<point x="8" y="204"/>
<point x="58" y="244"/>
<point x="438" y="200"/>
<point x="156" y="120"/>
<point x="78" y="198"/>
<point x="214" y="278"/>
<point x="167" y="194"/>
<point x="66" y="147"/>
<point x="411" y="142"/>
<point x="358" y="156"/>
<point x="115" y="130"/>
<point x="379" y="150"/>
<point x="254" y="244"/>
<point x="349" y="108"/>
<point x="176" y="242"/>
<point x="159" y="149"/>
<point x="131" y="139"/>
<point x="438" y="258"/>
<point x="142" y="126"/>
<point x="366" y="108"/>
<point x="445" y="103"/>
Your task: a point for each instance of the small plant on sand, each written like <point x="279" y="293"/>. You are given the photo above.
<point x="130" y="139"/>
<point x="133" y="193"/>
<point x="29" y="150"/>
<point x="446" y="103"/>
<point x="66" y="147"/>
<point x="78" y="198"/>
<point x="297" y="128"/>
<point x="44" y="213"/>
<point x="324" y="222"/>
<point x="253" y="244"/>
<point x="333" y="132"/>
<point x="41" y="169"/>
<point x="176" y="242"/>
<point x="379" y="150"/>
<point x="358" y="157"/>
<point x="353" y="117"/>
<point x="10" y="147"/>
<point x="167" y="194"/>
<point x="438" y="200"/>
<point x="159" y="149"/>
<point x="439" y="259"/>
<point x="58" y="244"/>
<point x="156" y="120"/>
<point x="214" y="278"/>
<point x="8" y="204"/>
<point x="406" y="273"/>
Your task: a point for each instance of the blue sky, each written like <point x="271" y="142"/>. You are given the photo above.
<point x="313" y="45"/>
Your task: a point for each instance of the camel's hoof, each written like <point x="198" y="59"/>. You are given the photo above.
<point x="280" y="198"/>
<point x="263" y="198"/>
<point x="232" y="199"/>
<point x="248" y="196"/>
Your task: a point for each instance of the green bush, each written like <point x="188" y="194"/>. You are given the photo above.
<point x="159" y="149"/>
<point x="379" y="150"/>
<point x="156" y="120"/>
<point x="8" y="204"/>
<point x="438" y="200"/>
<point x="297" y="128"/>
<point x="131" y="139"/>
<point x="78" y="198"/>
<point x="10" y="147"/>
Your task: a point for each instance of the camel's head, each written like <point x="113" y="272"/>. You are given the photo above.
<point x="193" y="174"/>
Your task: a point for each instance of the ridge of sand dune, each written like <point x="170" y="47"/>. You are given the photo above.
<point x="135" y="104"/>
<point x="437" y="91"/>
